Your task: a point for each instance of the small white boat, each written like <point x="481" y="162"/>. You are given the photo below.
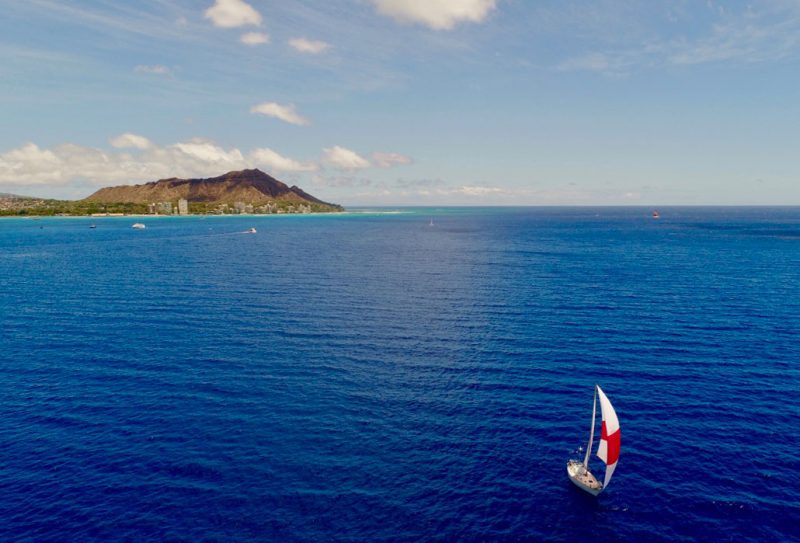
<point x="607" y="450"/>
<point x="138" y="226"/>
<point x="251" y="231"/>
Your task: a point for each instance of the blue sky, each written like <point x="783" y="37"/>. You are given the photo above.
<point x="420" y="102"/>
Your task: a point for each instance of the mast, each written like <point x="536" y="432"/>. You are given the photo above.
<point x="591" y="430"/>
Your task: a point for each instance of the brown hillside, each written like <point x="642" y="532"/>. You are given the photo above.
<point x="248" y="186"/>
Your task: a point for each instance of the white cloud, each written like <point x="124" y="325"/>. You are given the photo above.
<point x="387" y="160"/>
<point x="344" y="159"/>
<point x="313" y="47"/>
<point x="73" y="165"/>
<point x="254" y="38"/>
<point x="29" y="165"/>
<point x="285" y="113"/>
<point x="271" y="160"/>
<point x="232" y="14"/>
<point x="128" y="140"/>
<point x="156" y="69"/>
<point x="436" y="14"/>
<point x="69" y="163"/>
<point x="208" y="152"/>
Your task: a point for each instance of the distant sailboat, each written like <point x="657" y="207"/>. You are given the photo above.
<point x="607" y="451"/>
<point x="431" y="223"/>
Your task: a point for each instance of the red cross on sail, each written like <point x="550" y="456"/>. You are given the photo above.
<point x="608" y="450"/>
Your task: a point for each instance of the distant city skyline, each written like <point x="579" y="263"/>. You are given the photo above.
<point x="393" y="102"/>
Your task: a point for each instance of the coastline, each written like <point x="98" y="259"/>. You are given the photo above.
<point x="148" y="216"/>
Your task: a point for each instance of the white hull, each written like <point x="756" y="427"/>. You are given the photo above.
<point x="583" y="478"/>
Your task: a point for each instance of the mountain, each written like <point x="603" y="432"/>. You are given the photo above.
<point x="247" y="186"/>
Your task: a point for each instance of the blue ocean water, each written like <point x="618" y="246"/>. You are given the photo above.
<point x="373" y="377"/>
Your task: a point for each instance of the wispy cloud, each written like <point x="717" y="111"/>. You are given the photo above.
<point x="387" y="160"/>
<point x="313" y="47"/>
<point x="285" y="113"/>
<point x="233" y="14"/>
<point x="419" y="183"/>
<point x="254" y="38"/>
<point x="477" y="190"/>
<point x="341" y="181"/>
<point x="438" y="192"/>
<point x="771" y="34"/>
<point x="608" y="64"/>
<point x="436" y="14"/>
<point x="155" y="69"/>
<point x="744" y="39"/>
<point x="123" y="19"/>
<point x="27" y="54"/>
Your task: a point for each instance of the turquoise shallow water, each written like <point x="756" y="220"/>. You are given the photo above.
<point x="369" y="377"/>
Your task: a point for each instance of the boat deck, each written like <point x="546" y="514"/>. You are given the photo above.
<point x="583" y="477"/>
<point x="588" y="480"/>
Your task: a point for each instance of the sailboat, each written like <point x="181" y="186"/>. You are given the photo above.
<point x="607" y="450"/>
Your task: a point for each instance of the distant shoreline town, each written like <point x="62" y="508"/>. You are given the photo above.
<point x="246" y="192"/>
<point x="21" y="206"/>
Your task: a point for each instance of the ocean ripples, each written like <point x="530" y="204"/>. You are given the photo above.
<point x="372" y="377"/>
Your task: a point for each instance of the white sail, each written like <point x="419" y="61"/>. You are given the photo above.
<point x="610" y="437"/>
